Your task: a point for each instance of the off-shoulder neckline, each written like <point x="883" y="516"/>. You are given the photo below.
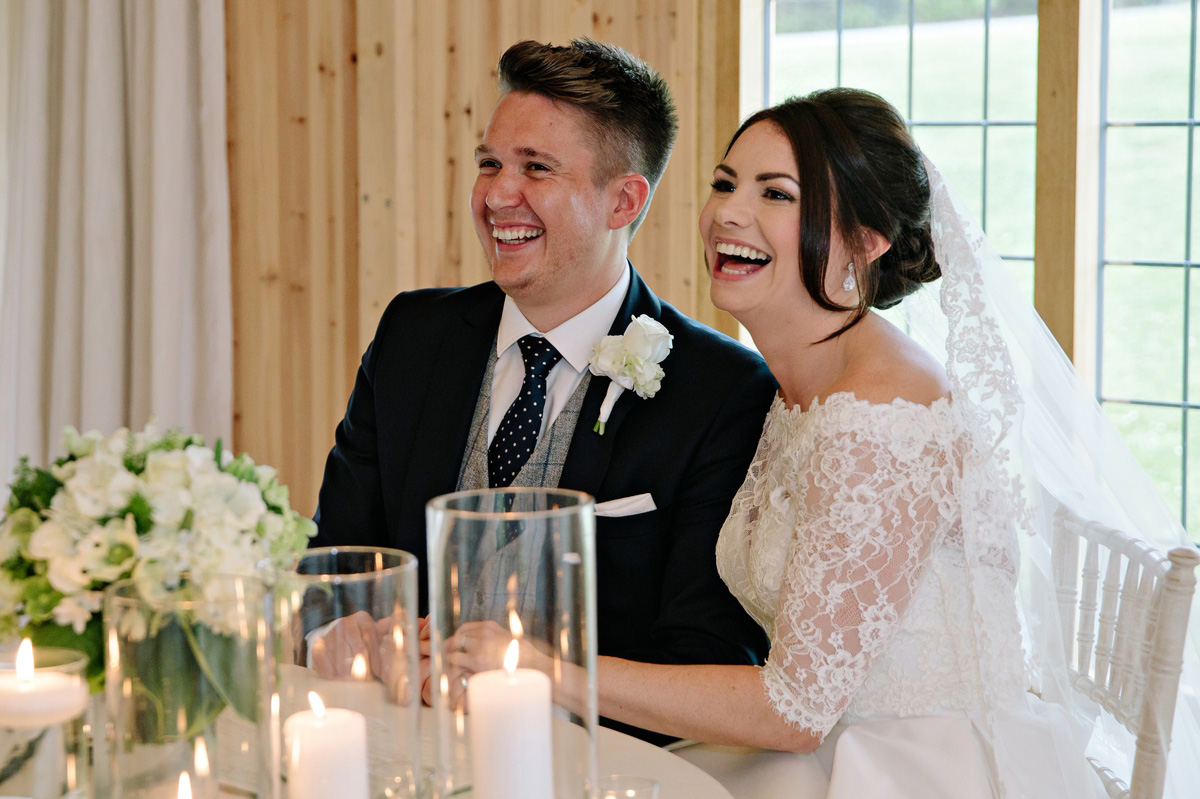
<point x="848" y="398"/>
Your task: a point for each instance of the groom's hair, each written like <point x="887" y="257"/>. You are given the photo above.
<point x="860" y="170"/>
<point x="632" y="116"/>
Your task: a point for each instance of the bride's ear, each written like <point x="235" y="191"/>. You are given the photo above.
<point x="874" y="245"/>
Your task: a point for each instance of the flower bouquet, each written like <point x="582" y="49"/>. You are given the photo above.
<point x="173" y="519"/>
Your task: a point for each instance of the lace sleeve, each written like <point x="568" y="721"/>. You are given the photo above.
<point x="872" y="507"/>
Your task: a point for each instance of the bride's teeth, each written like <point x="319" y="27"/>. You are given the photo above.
<point x="742" y="251"/>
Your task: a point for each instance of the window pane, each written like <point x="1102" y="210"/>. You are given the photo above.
<point x="1148" y="58"/>
<point x="1193" y="475"/>
<point x="1155" y="436"/>
<point x="804" y="48"/>
<point x="1012" y="73"/>
<point x="958" y="154"/>
<point x="1146" y="194"/>
<point x="948" y="64"/>
<point x="1193" y="342"/>
<point x="875" y="54"/>
<point x="876" y="59"/>
<point x="1143" y="333"/>
<point x="1022" y="273"/>
<point x="1012" y="157"/>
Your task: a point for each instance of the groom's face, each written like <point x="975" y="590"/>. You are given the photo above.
<point x="544" y="223"/>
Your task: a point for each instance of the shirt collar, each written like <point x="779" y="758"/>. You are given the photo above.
<point x="575" y="337"/>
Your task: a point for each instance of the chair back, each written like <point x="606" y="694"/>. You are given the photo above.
<point x="1124" y="636"/>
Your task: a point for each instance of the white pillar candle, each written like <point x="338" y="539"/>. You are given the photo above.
<point x="327" y="753"/>
<point x="509" y="717"/>
<point x="31" y="699"/>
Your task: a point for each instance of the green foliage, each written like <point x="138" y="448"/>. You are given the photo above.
<point x="139" y="508"/>
<point x="242" y="468"/>
<point x="90" y="642"/>
<point x="31" y="488"/>
<point x="40" y="598"/>
<point x="184" y="671"/>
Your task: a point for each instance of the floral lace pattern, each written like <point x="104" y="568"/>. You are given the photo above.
<point x="846" y="544"/>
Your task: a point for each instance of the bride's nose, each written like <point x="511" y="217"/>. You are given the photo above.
<point x="731" y="213"/>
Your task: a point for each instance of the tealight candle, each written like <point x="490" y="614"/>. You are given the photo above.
<point x="509" y="717"/>
<point x="327" y="752"/>
<point x="32" y="698"/>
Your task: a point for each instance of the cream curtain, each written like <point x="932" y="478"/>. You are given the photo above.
<point x="115" y="299"/>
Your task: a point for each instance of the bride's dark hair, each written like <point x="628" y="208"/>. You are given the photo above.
<point x="858" y="163"/>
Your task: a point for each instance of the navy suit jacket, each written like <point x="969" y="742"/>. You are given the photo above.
<point x="659" y="597"/>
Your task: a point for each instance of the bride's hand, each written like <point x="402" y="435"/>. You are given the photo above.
<point x="481" y="646"/>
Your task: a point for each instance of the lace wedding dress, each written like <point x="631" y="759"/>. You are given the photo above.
<point x="846" y="544"/>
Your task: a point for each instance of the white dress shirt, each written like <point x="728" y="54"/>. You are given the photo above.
<point x="574" y="338"/>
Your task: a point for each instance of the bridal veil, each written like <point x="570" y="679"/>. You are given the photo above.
<point x="1036" y="425"/>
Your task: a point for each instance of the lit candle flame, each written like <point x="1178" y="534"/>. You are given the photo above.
<point x="202" y="767"/>
<point x="514" y="624"/>
<point x="25" y="661"/>
<point x="185" y="786"/>
<point x="318" y="707"/>
<point x="358" y="669"/>
<point x="511" y="657"/>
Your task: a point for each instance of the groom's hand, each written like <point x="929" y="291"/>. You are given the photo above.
<point x="361" y="637"/>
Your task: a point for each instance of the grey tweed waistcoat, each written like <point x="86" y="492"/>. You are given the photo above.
<point x="545" y="464"/>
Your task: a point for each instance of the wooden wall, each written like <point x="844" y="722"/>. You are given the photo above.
<point x="352" y="125"/>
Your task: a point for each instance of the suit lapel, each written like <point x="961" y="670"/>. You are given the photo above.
<point x="589" y="454"/>
<point x="449" y="404"/>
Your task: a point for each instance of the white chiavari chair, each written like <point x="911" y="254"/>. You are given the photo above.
<point x="1124" y="636"/>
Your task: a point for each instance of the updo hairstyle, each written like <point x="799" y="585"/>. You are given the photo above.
<point x="858" y="162"/>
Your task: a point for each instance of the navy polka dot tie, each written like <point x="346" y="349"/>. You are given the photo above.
<point x="518" y="431"/>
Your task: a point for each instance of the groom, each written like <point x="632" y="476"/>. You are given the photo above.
<point x="566" y="169"/>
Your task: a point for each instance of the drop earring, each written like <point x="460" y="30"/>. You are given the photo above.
<point x="849" y="284"/>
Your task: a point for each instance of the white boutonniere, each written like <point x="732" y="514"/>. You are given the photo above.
<point x="630" y="361"/>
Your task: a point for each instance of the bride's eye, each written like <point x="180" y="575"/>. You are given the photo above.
<point x="722" y="186"/>
<point x="776" y="194"/>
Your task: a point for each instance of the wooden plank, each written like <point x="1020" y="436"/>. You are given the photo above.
<point x="1067" y="193"/>
<point x="386" y="221"/>
<point x="253" y="145"/>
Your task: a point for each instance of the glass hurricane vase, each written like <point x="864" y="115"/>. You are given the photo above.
<point x="512" y="614"/>
<point x="187" y="675"/>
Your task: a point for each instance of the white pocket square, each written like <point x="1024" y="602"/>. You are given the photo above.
<point x="626" y="506"/>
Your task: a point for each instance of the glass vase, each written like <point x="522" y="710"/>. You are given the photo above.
<point x="512" y="620"/>
<point x="43" y="748"/>
<point x="346" y="712"/>
<point x="187" y="675"/>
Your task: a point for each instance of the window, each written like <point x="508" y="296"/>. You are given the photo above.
<point x="963" y="73"/>
<point x="1149" y="377"/>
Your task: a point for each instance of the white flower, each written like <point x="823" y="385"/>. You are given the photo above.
<point x="167" y="468"/>
<point x="66" y="574"/>
<point x="630" y="361"/>
<point x="168" y="504"/>
<point x="647" y="339"/>
<point x="108" y="552"/>
<point x="71" y="612"/>
<point x="80" y="446"/>
<point x="101" y="485"/>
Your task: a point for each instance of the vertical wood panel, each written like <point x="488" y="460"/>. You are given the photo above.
<point x="293" y="174"/>
<point x="1067" y="193"/>
<point x="352" y="126"/>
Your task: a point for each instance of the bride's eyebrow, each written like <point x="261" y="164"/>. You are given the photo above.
<point x="762" y="177"/>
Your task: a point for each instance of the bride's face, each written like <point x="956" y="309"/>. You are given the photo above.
<point x="751" y="230"/>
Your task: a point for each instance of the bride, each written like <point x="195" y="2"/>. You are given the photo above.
<point x="876" y="537"/>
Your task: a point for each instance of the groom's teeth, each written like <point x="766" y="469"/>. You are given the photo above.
<point x="515" y="233"/>
<point x="742" y="251"/>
